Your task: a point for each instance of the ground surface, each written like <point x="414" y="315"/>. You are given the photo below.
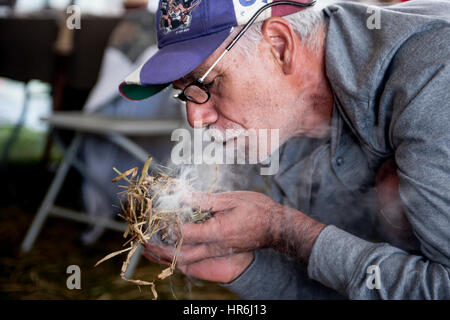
<point x="41" y="274"/>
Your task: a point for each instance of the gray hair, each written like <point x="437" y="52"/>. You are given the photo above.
<point x="305" y="23"/>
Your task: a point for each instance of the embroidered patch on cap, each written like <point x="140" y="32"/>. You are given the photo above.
<point x="177" y="14"/>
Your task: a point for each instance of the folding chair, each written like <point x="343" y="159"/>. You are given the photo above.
<point x="116" y="131"/>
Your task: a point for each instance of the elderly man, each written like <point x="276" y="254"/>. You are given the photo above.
<point x="363" y="108"/>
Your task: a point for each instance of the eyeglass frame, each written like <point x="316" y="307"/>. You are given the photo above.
<point x="200" y="82"/>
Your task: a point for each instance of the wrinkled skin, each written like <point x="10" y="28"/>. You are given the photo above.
<point x="221" y="248"/>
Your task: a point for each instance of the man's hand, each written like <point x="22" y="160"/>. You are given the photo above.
<point x="242" y="223"/>
<point x="224" y="269"/>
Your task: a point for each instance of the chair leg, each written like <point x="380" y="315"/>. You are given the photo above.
<point x="134" y="261"/>
<point x="140" y="154"/>
<point x="129" y="146"/>
<point x="51" y="195"/>
<point x="81" y="168"/>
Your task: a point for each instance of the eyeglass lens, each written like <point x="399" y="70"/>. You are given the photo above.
<point x="196" y="94"/>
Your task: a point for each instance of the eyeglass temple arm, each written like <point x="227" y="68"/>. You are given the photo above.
<point x="247" y="26"/>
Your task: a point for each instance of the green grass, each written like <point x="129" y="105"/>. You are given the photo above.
<point x="29" y="146"/>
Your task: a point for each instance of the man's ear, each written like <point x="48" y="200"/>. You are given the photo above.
<point x="283" y="42"/>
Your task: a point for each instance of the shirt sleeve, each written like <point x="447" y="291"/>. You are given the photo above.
<point x="342" y="261"/>
<point x="416" y="103"/>
<point x="419" y="134"/>
<point x="273" y="275"/>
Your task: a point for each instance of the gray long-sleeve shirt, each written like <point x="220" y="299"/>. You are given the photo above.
<point x="392" y="99"/>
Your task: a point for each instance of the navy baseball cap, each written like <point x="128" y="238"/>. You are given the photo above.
<point x="188" y="32"/>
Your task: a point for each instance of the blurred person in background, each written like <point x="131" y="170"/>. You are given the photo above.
<point x="132" y="42"/>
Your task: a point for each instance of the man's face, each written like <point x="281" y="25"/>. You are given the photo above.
<point x="246" y="93"/>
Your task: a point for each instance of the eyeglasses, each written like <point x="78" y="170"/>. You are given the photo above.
<point x="197" y="91"/>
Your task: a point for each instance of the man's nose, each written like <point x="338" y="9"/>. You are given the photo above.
<point x="200" y="115"/>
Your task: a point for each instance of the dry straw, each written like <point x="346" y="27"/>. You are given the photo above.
<point x="148" y="222"/>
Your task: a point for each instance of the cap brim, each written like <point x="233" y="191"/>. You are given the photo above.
<point x="137" y="92"/>
<point x="169" y="64"/>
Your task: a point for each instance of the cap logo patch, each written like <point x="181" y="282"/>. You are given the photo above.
<point x="177" y="14"/>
